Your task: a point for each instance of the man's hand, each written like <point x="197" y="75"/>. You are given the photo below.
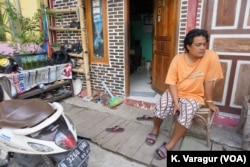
<point x="213" y="107"/>
<point x="176" y="109"/>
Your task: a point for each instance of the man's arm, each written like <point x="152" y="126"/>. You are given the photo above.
<point x="209" y="86"/>
<point x="174" y="94"/>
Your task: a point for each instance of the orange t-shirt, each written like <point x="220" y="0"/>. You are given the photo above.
<point x="189" y="79"/>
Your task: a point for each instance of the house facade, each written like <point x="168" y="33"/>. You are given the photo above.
<point x="228" y="23"/>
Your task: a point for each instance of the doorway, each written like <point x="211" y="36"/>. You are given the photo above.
<point x="141" y="50"/>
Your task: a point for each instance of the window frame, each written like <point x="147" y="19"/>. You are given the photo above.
<point x="90" y="29"/>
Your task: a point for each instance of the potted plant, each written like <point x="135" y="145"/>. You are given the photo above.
<point x="25" y="33"/>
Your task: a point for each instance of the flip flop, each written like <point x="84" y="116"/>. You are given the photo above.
<point x="151" y="138"/>
<point x="161" y="152"/>
<point x="145" y="118"/>
<point x="115" y="129"/>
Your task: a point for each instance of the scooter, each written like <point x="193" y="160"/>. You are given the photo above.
<point x="36" y="133"/>
<point x="34" y="127"/>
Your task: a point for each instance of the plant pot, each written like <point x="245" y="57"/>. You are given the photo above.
<point x="56" y="48"/>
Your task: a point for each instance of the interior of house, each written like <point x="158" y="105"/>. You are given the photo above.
<point x="141" y="45"/>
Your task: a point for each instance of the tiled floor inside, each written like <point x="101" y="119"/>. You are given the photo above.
<point x="140" y="81"/>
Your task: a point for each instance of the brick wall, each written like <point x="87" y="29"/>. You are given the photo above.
<point x="112" y="74"/>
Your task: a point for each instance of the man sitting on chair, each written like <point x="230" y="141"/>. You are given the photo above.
<point x="190" y="80"/>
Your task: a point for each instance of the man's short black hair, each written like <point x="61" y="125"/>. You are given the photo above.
<point x="194" y="33"/>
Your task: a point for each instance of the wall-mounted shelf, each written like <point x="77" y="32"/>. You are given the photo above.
<point x="75" y="55"/>
<point x="79" y="10"/>
<point x="63" y="29"/>
<point x="78" y="70"/>
<point x="61" y="11"/>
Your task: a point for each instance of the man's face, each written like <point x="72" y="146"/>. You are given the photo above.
<point x="198" y="47"/>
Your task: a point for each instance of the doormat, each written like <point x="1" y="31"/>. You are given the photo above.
<point x="139" y="104"/>
<point x="143" y="94"/>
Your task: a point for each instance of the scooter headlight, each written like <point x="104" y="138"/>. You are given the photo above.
<point x="40" y="147"/>
<point x="65" y="139"/>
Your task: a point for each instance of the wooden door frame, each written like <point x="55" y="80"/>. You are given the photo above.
<point x="127" y="41"/>
<point x="127" y="48"/>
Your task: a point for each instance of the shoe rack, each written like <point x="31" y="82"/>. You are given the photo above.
<point x="83" y="57"/>
<point x="51" y="92"/>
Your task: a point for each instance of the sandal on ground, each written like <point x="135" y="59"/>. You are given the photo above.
<point x="161" y="152"/>
<point x="151" y="138"/>
<point x="115" y="129"/>
<point x="144" y="118"/>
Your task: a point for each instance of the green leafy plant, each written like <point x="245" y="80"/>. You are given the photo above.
<point x="23" y="30"/>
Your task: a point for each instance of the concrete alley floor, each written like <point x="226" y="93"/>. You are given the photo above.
<point x="109" y="149"/>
